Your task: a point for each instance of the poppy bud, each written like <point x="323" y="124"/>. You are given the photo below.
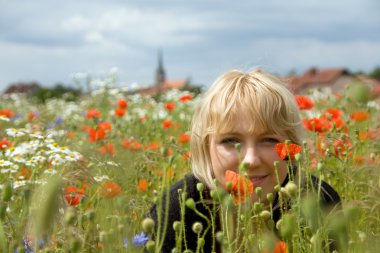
<point x="270" y="197"/>
<point x="176" y="226"/>
<point x="200" y="187"/>
<point x="291" y="188"/>
<point x="265" y="215"/>
<point x="150" y="246"/>
<point x="148" y="225"/>
<point x="219" y="236"/>
<point x="190" y="203"/>
<point x="197" y="227"/>
<point x="258" y="191"/>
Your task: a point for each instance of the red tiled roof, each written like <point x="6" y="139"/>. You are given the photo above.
<point x="313" y="76"/>
<point x="167" y="85"/>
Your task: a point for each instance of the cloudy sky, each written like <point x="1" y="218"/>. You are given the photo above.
<point x="48" y="40"/>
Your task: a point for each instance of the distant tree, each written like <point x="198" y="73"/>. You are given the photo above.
<point x="375" y="73"/>
<point x="58" y="91"/>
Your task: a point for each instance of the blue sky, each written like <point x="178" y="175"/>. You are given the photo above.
<point x="48" y="40"/>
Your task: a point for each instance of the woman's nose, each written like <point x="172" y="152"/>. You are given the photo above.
<point x="251" y="157"/>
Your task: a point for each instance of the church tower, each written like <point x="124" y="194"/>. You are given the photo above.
<point x="160" y="72"/>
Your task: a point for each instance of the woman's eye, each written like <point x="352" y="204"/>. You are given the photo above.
<point x="230" y="141"/>
<point x="271" y="140"/>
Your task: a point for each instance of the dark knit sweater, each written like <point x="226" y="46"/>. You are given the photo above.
<point x="329" y="197"/>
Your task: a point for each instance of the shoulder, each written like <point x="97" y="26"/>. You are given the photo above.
<point x="328" y="194"/>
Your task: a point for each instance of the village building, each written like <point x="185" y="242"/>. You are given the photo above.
<point x="329" y="80"/>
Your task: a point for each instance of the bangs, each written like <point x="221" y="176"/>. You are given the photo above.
<point x="262" y="104"/>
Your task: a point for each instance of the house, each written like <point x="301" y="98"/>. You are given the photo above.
<point x="330" y="80"/>
<point x="24" y="88"/>
<point x="161" y="83"/>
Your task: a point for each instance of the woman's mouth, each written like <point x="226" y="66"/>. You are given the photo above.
<point x="257" y="180"/>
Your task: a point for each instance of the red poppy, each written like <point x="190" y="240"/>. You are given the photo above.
<point x="185" y="98"/>
<point x="111" y="189"/>
<point x="284" y="151"/>
<point x="341" y="147"/>
<point x="154" y="146"/>
<point x="132" y="144"/>
<point x="183" y="138"/>
<point x="333" y="113"/>
<point x="280" y="247"/>
<point x="105" y="125"/>
<point x="304" y="103"/>
<point x="73" y="195"/>
<point x="122" y="103"/>
<point x="4" y="143"/>
<point x="7" y="113"/>
<point x="32" y="116"/>
<point x="241" y="187"/>
<point x="24" y="174"/>
<point x="359" y="116"/>
<point x="317" y="124"/>
<point x="119" y="112"/>
<point x="167" y="123"/>
<point x="109" y="148"/>
<point x="142" y="185"/>
<point x="92" y="113"/>
<point x="170" y="106"/>
<point x="96" y="134"/>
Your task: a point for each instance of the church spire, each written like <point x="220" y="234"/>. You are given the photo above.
<point x="160" y="72"/>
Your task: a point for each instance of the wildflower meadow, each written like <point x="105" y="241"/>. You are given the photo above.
<point x="80" y="176"/>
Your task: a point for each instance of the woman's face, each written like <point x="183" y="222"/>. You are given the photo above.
<point x="257" y="151"/>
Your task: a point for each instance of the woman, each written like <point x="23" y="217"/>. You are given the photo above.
<point x="239" y="121"/>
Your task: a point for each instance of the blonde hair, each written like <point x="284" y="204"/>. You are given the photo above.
<point x="263" y="98"/>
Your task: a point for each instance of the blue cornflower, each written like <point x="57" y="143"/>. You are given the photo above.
<point x="140" y="240"/>
<point x="58" y="121"/>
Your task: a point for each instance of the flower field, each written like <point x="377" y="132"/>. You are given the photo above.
<point x="81" y="176"/>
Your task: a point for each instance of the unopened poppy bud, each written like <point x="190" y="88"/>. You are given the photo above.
<point x="265" y="215"/>
<point x="297" y="156"/>
<point x="150" y="246"/>
<point x="270" y="197"/>
<point x="177" y="226"/>
<point x="291" y="188"/>
<point x="277" y="188"/>
<point x="259" y="191"/>
<point x="257" y="207"/>
<point x="219" y="236"/>
<point x="148" y="225"/>
<point x="200" y="187"/>
<point x="284" y="192"/>
<point x="190" y="203"/>
<point x="197" y="227"/>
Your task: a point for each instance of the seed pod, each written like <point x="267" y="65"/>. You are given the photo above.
<point x="270" y="197"/>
